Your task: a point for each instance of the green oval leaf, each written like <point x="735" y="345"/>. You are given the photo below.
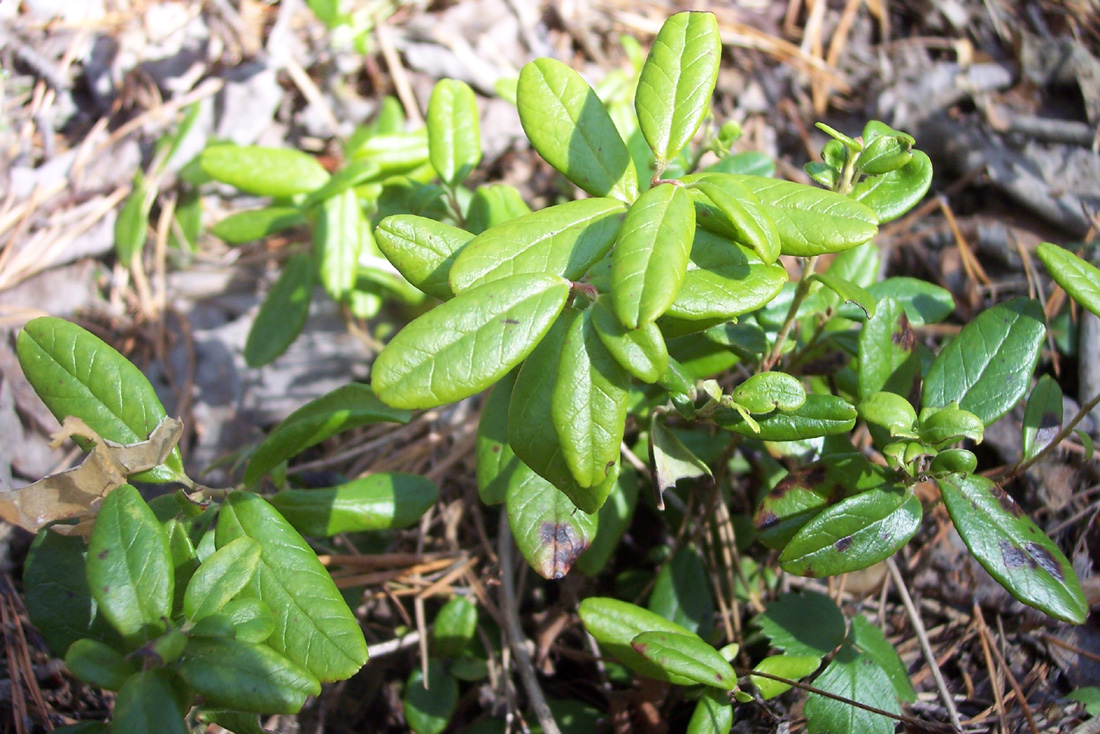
<point x="676" y="82"/>
<point x="1080" y="279"/>
<point x="149" y="703"/>
<point x="429" y="710"/>
<point x="870" y="639"/>
<point x="885" y="154"/>
<point x="784" y="623"/>
<point x="987" y="367"/>
<point x="687" y="656"/>
<point x="651" y="254"/>
<point x="855" y="677"/>
<point x="98" y="664"/>
<point x="848" y="291"/>
<point x="255" y="224"/>
<point x="337" y="241"/>
<point x="468" y="343"/>
<point x="277" y="172"/>
<point x="495" y="458"/>
<point x="245" y="676"/>
<point x="641" y="352"/>
<point x="1012" y="548"/>
<point x="564" y="240"/>
<point x="282" y="314"/>
<point x="454" y="137"/>
<point x="681" y="592"/>
<point x="820" y="415"/>
<point x="923" y="302"/>
<point x="949" y="425"/>
<point x="767" y="391"/>
<point x="892" y="194"/>
<point x="713" y="714"/>
<point x="616" y="623"/>
<point x="892" y="412"/>
<point x="130" y="566"/>
<point x="347" y="407"/>
<point x="313" y="625"/>
<point x="1042" y="417"/>
<point x="853" y="534"/>
<point x="220" y="578"/>
<point x="569" y="127"/>
<point x="422" y="250"/>
<point x="888" y="356"/>
<point x="792" y="667"/>
<point x="727" y="208"/>
<point x="614" y="518"/>
<point x="550" y="531"/>
<point x="381" y="501"/>
<point x="132" y="225"/>
<point x="76" y="373"/>
<point x="455" y="626"/>
<point x="251" y="619"/>
<point x="395" y="153"/>
<point x="494" y="204"/>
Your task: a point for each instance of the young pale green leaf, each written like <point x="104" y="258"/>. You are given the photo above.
<point x="847" y="290"/>
<point x="381" y="501"/>
<point x="563" y="240"/>
<point x="429" y="704"/>
<point x="261" y="171"/>
<point x="588" y="402"/>
<point x="892" y="412"/>
<point x="854" y="677"/>
<point x="246" y="677"/>
<point x="988" y="366"/>
<point x="884" y="154"/>
<point x="892" y="194"/>
<point x="493" y="205"/>
<point x="569" y="127"/>
<point x="1042" y="417"/>
<point x="923" y="302"/>
<point x="853" y="534"/>
<point x="791" y="667"/>
<point x="953" y="460"/>
<point x="422" y="250"/>
<point x="337" y="241"/>
<point x="713" y="714"/>
<point x="355" y="173"/>
<point x="651" y="254"/>
<point x="784" y="623"/>
<point x="75" y="373"/>
<point x="750" y="162"/>
<point x="1077" y="277"/>
<point x="149" y="703"/>
<point x="727" y="208"/>
<point x="614" y="519"/>
<point x="282" y="314"/>
<point x="641" y="352"/>
<point x="672" y="461"/>
<point x="550" y="531"/>
<point x="495" y="459"/>
<point x="873" y="643"/>
<point x="99" y="664"/>
<point x="949" y="425"/>
<point x="676" y="82"/>
<point x="251" y="619"/>
<point x="455" y="627"/>
<point x="767" y="391"/>
<point x="313" y="625"/>
<point x="255" y="224"/>
<point x="395" y="153"/>
<point x="132" y="224"/>
<point x="888" y="356"/>
<point x="347" y="407"/>
<point x="616" y="623"/>
<point x="468" y="343"/>
<point x="1012" y="548"/>
<point x="454" y="137"/>
<point x="687" y="656"/>
<point x="130" y="566"/>
<point x="681" y="592"/>
<point x="811" y="221"/>
<point x="1089" y="696"/>
<point x="820" y="415"/>
<point x="220" y="578"/>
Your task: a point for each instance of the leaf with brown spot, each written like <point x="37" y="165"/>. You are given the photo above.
<point x="550" y="531"/>
<point x="888" y="359"/>
<point x="1042" y="417"/>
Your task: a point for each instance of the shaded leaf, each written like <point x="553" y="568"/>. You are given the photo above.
<point x="858" y="678"/>
<point x="613" y="520"/>
<point x="422" y="250"/>
<point x="454" y="627"/>
<point x="682" y="592"/>
<point x="149" y="704"/>
<point x="923" y="302"/>
<point x="255" y="224"/>
<point x="220" y="578"/>
<point x="888" y="356"/>
<point x="550" y="531"/>
<point x="282" y="314"/>
<point x="687" y="656"/>
<point x="641" y="352"/>
<point x="429" y="704"/>
<point x="713" y="714"/>
<point x="494" y="204"/>
<point x="495" y="458"/>
<point x="382" y="501"/>
<point x="870" y="639"/>
<point x="784" y="623"/>
<point x="246" y="677"/>
<point x="1042" y="417"/>
<point x="672" y="461"/>
<point x="820" y="415"/>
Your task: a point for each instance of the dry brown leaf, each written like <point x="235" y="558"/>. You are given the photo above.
<point x="77" y="492"/>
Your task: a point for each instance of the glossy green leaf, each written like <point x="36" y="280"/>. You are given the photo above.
<point x="493" y="205"/>
<point x="747" y="340"/>
<point x="495" y="459"/>
<point x="614" y="518"/>
<point x="676" y="82"/>
<point x="890" y="411"/>
<point x="237" y="722"/>
<point x="99" y="664"/>
<point x="949" y="425"/>
<point x="262" y="171"/>
<point x="751" y="162"/>
<point x="454" y="137"/>
<point x="672" y="461"/>
<point x="650" y="258"/>
<point x="454" y="627"/>
<point x="149" y="704"/>
<point x="767" y="391"/>
<point x="923" y="302"/>
<point x="1080" y="279"/>
<point x="1012" y="548"/>
<point x="713" y="714"/>
<point x="873" y="643"/>
<point x="75" y="373"/>
<point x="550" y="531"/>
<point x="893" y="194"/>
<point x="847" y="290"/>
<point x="588" y="402"/>
<point x="792" y="667"/>
<point x="282" y="314"/>
<point x="220" y="578"/>
<point x="784" y="623"/>
<point x="395" y="153"/>
<point x="1042" y="417"/>
<point x="616" y="623"/>
<point x="727" y="208"/>
<point x="681" y="592"/>
<point x="953" y="460"/>
<point x="347" y="407"/>
<point x="246" y="677"/>
<point x="641" y="352"/>
<point x="422" y="250"/>
<point x="563" y="240"/>
<point x="252" y="619"/>
<point x="884" y="154"/>
<point x="132" y="225"/>
<point x="812" y="221"/>
<point x="381" y="501"/>
<point x="313" y="625"/>
<point x="255" y="224"/>
<point x="854" y="677"/>
<point x="820" y="415"/>
<point x="130" y="566"/>
<point x="888" y="356"/>
<point x="687" y="656"/>
<point x="853" y="534"/>
<point x="569" y="127"/>
<point x="429" y="704"/>
<point x="337" y="241"/>
<point x="987" y="367"/>
<point x="468" y="343"/>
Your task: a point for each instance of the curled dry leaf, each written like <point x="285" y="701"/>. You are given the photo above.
<point x="77" y="492"/>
